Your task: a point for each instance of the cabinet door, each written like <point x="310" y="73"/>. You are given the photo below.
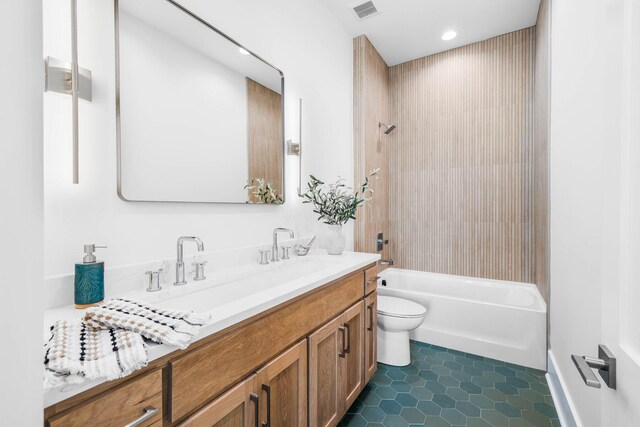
<point x="326" y="367"/>
<point x="353" y="377"/>
<point x="236" y="408"/>
<point x="283" y="389"/>
<point x="370" y="336"/>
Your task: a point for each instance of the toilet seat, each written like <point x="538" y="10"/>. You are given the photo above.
<point x="399" y="307"/>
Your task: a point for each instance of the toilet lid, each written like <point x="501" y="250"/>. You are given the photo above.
<point x="399" y="307"/>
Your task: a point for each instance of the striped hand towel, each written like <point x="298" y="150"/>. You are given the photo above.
<point x="76" y="352"/>
<point x="159" y="325"/>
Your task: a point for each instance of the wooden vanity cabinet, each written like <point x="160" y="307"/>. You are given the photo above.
<point x="283" y="389"/>
<point x="236" y="408"/>
<point x="123" y="405"/>
<point x="336" y="367"/>
<point x="298" y="364"/>
<point x="370" y="336"/>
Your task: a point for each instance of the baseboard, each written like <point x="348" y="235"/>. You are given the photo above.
<point x="564" y="405"/>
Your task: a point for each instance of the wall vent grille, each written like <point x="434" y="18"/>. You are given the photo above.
<point x="364" y="10"/>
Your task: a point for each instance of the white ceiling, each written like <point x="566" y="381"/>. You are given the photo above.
<point x="410" y="29"/>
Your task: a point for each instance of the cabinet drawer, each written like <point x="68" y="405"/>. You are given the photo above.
<point x="370" y="279"/>
<point x="206" y="372"/>
<point x="118" y="407"/>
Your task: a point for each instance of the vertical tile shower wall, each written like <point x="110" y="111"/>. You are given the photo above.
<point x="371" y="146"/>
<point x="461" y="166"/>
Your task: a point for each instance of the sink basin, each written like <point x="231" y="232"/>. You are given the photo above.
<point x="218" y="291"/>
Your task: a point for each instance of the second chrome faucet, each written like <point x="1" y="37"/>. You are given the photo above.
<point x="274" y="248"/>
<point x="180" y="279"/>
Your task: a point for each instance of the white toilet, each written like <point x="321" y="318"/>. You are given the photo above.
<point x="396" y="317"/>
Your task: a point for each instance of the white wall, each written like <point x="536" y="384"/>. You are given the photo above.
<point x="21" y="214"/>
<point x="301" y="37"/>
<point x="584" y="186"/>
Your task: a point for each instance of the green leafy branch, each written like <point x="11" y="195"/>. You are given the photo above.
<point x="336" y="203"/>
<point x="264" y="192"/>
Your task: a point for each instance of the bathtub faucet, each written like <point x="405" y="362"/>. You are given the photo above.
<point x="388" y="262"/>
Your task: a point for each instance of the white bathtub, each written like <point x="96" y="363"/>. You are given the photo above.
<point x="491" y="318"/>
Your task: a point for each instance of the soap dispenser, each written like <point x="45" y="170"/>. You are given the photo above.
<point x="89" y="279"/>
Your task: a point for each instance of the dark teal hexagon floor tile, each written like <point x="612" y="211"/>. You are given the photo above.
<point x="428" y="375"/>
<point x="427" y="407"/>
<point x="453" y="416"/>
<point x="373" y="414"/>
<point x="464" y="360"/>
<point x="484" y="365"/>
<point x="497" y="394"/>
<point x="395" y="421"/>
<point x="461" y="376"/>
<point x="493" y="394"/>
<point x="414" y="380"/>
<point x="406" y="400"/>
<point x="520" y="402"/>
<point x="527" y="376"/>
<point x="386" y="392"/>
<point x="495" y="418"/>
<point x="454" y="366"/>
<point x="396" y="375"/>
<point x="495" y="376"/>
<point x="481" y="401"/>
<point x="421" y="364"/>
<point x="532" y="396"/>
<point x="470" y="388"/>
<point x="413" y="415"/>
<point x="448" y="381"/>
<point x="506" y="388"/>
<point x="508" y="409"/>
<point x="517" y="382"/>
<point x="477" y="422"/>
<point x="546" y="409"/>
<point x="472" y="370"/>
<point x="457" y="394"/>
<point x="543" y="389"/>
<point x="468" y="409"/>
<point x="435" y="421"/>
<point x="401" y="386"/>
<point x="444" y="401"/>
<point x="371" y="399"/>
<point x="483" y="382"/>
<point x="421" y="393"/>
<point x="390" y="407"/>
<point x="507" y="372"/>
<point x="435" y="387"/>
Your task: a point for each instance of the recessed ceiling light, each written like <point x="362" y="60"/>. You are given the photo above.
<point x="243" y="51"/>
<point x="449" y="35"/>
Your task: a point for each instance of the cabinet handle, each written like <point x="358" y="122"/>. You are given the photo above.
<point x="375" y="279"/>
<point x="348" y="328"/>
<point x="370" y="308"/>
<point x="343" y="350"/>
<point x="256" y="402"/>
<point x="149" y="412"/>
<point x="267" y="390"/>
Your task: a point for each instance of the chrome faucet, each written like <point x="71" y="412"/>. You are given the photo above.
<point x="180" y="280"/>
<point x="274" y="248"/>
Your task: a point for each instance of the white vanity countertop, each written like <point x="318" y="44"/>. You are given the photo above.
<point x="229" y="296"/>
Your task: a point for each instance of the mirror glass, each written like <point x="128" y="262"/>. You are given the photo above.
<point x="200" y="118"/>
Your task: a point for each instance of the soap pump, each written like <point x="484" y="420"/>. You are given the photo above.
<point x="89" y="279"/>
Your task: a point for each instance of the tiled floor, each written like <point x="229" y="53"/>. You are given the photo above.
<point x="443" y="387"/>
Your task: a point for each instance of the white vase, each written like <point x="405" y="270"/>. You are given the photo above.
<point x="335" y="240"/>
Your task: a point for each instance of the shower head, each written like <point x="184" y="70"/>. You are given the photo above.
<point x="388" y="128"/>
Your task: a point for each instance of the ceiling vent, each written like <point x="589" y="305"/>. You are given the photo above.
<point x="364" y="9"/>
